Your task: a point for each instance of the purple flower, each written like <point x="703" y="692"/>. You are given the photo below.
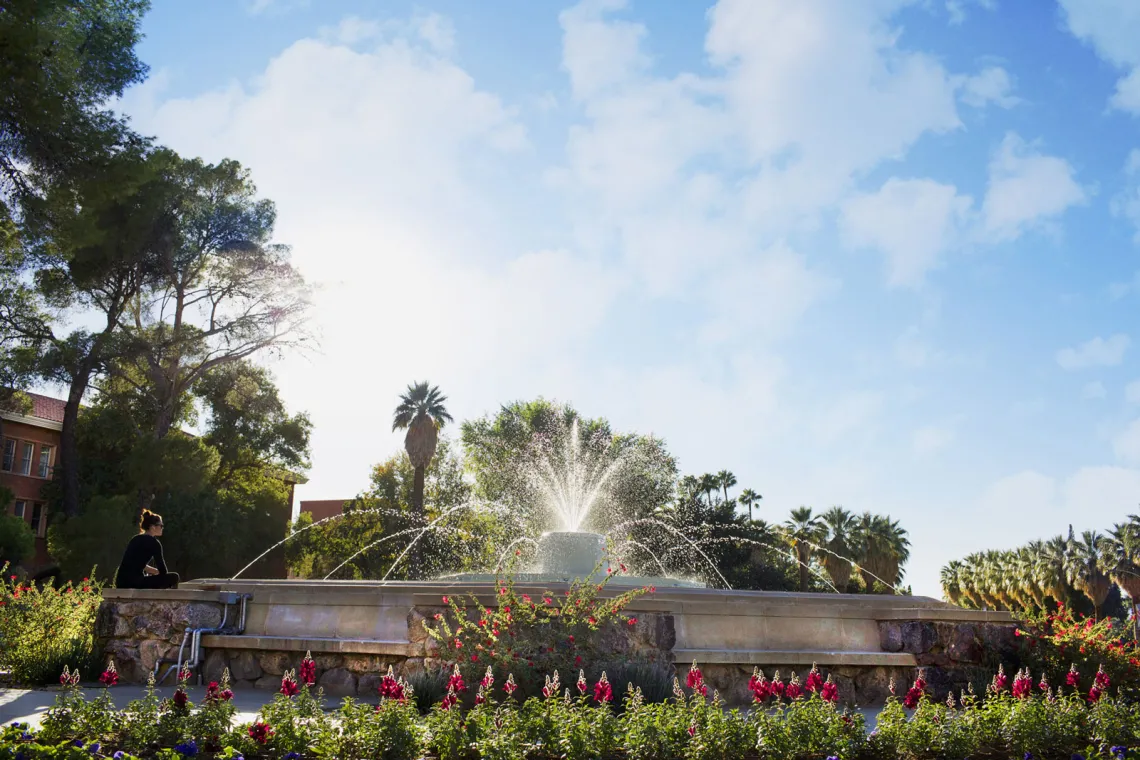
<point x="187" y="749"/>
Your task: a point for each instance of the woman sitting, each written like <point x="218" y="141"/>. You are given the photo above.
<point x="135" y="570"/>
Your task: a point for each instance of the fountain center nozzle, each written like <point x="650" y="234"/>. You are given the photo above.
<point x="571" y="554"/>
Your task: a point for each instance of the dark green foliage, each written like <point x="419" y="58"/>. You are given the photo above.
<point x="61" y="61"/>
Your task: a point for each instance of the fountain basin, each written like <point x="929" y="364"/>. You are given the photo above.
<point x="566" y="556"/>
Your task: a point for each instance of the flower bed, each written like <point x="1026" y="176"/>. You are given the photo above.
<point x="789" y="720"/>
<point x="45" y="627"/>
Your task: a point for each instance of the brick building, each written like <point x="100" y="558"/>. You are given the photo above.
<point x="29" y="445"/>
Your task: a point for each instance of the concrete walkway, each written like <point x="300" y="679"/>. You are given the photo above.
<point x="29" y="705"/>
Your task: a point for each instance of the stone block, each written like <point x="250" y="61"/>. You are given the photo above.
<point x="214" y="665"/>
<point x="276" y="663"/>
<point x="200" y="615"/>
<point x="890" y="637"/>
<point x="151" y="651"/>
<point x="339" y="682"/>
<point x="417" y="634"/>
<point x="665" y="632"/>
<point x="999" y="639"/>
<point x="106" y="621"/>
<point x="918" y="637"/>
<point x="368" y="685"/>
<point x="964" y="645"/>
<point x="366" y="663"/>
<point x="411" y="666"/>
<point x="154" y="626"/>
<point x="932" y="659"/>
<point x="244" y="666"/>
<point x="268" y="683"/>
<point x="328" y="661"/>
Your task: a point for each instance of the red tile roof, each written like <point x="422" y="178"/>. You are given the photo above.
<point x="47" y="408"/>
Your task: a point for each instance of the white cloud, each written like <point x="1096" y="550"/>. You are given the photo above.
<point x="931" y="439"/>
<point x="912" y="221"/>
<point x="1127" y="203"/>
<point x="992" y="84"/>
<point x="1112" y="28"/>
<point x="850" y="413"/>
<point x="691" y="173"/>
<point x="1132" y="392"/>
<point x="1118" y="290"/>
<point x="257" y="7"/>
<point x="1098" y="352"/>
<point x="1093" y="391"/>
<point x="1026" y="188"/>
<point x="956" y="9"/>
<point x="1126" y="444"/>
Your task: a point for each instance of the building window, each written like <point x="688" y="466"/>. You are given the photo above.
<point x="19" y="509"/>
<point x="26" y="460"/>
<point x="45" y="462"/>
<point x="9" y="455"/>
<point x="38" y="519"/>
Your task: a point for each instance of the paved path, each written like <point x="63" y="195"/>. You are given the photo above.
<point x="29" y="705"/>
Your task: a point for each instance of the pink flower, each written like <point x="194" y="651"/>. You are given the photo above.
<point x="632" y="621"/>
<point x="582" y="682"/>
<point x="695" y="680"/>
<point x="488" y="679"/>
<point x="455" y="683"/>
<point x="510" y="686"/>
<point x="603" y="692"/>
<point x="446" y="600"/>
<point x="1000" y="680"/>
<point x="1022" y="685"/>
<point x="1100" y="680"/>
<point x="449" y="701"/>
<point x="692" y="730"/>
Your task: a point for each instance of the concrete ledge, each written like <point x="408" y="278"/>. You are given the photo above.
<point x="170" y="595"/>
<point x="315" y="645"/>
<point x="805" y="658"/>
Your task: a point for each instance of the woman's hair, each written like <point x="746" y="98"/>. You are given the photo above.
<point x="149" y="519"/>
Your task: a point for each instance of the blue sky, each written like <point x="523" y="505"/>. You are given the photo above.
<point x="882" y="254"/>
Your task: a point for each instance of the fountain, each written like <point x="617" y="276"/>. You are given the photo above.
<point x="356" y="629"/>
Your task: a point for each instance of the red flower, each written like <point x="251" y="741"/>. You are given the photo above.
<point x="915" y="692"/>
<point x="632" y="621"/>
<point x="794" y="690"/>
<point x="1073" y="677"/>
<point x="829" y="692"/>
<point x="180" y="698"/>
<point x="289" y="685"/>
<point x="776" y="688"/>
<point x="692" y="730"/>
<point x="261" y="732"/>
<point x="582" y="682"/>
<point x="110" y="676"/>
<point x="390" y="688"/>
<point x="510" y="686"/>
<point x="446" y="600"/>
<point x="1000" y="680"/>
<point x="455" y="683"/>
<point x="449" y="701"/>
<point x="814" y="680"/>
<point x="1094" y="694"/>
<point x="308" y="670"/>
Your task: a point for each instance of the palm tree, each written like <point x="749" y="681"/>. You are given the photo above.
<point x="708" y="485"/>
<point x="1085" y="571"/>
<point x="421" y="412"/>
<point x="880" y="547"/>
<point x="801" y="528"/>
<point x="725" y="480"/>
<point x="1120" y="555"/>
<point x="748" y="497"/>
<point x="839" y="534"/>
<point x="951" y="577"/>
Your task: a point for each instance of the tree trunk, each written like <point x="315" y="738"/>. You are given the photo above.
<point x="69" y="444"/>
<point x="803" y="569"/>
<point x="414" y="560"/>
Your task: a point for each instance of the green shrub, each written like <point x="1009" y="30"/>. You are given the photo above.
<point x="17" y="539"/>
<point x="45" y="628"/>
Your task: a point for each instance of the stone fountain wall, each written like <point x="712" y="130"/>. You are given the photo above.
<point x="356" y="631"/>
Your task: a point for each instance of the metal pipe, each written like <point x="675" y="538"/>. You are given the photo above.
<point x="194" y="636"/>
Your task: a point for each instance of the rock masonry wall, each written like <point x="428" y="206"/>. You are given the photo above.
<point x="138" y="633"/>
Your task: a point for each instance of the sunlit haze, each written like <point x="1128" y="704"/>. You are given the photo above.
<point x="874" y="253"/>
